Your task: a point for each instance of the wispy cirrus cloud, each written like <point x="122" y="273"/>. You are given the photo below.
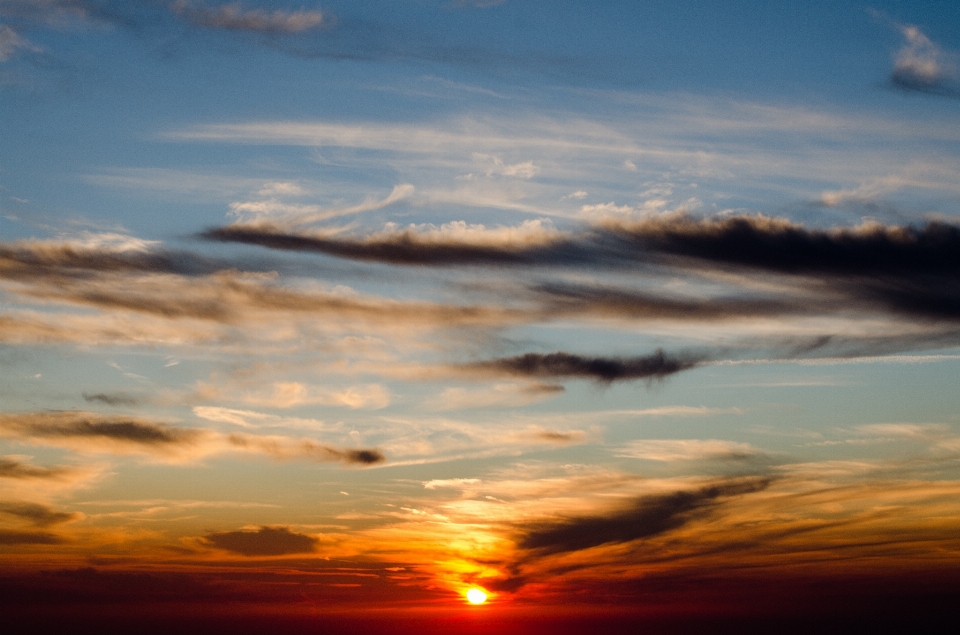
<point x="688" y="450"/>
<point x="11" y="42"/>
<point x="234" y="17"/>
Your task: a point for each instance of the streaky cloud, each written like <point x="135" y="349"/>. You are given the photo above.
<point x="647" y="516"/>
<point x="779" y="245"/>
<point x="234" y="17"/>
<point x="112" y="399"/>
<point x="29" y="538"/>
<point x="657" y="365"/>
<point x="78" y="425"/>
<point x="284" y="448"/>
<point x="762" y="242"/>
<point x="13" y="469"/>
<point x="37" y="515"/>
<point x="405" y="247"/>
<point x="265" y="541"/>
<point x="49" y="259"/>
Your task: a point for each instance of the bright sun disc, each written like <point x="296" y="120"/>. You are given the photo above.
<point x="476" y="596"/>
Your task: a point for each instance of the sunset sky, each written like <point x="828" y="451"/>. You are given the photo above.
<point x="616" y="311"/>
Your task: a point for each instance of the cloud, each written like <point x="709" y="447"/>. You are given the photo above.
<point x="11" y="42"/>
<point x="559" y="437"/>
<point x="452" y="483"/>
<point x="285" y="448"/>
<point x="112" y="399"/>
<point x="37" y="515"/>
<point x="28" y="538"/>
<point x="265" y="541"/>
<point x="91" y="431"/>
<point x="226" y="297"/>
<point x="658" y="365"/>
<point x="48" y="11"/>
<point x="922" y="66"/>
<point x="647" y="516"/>
<point x="906" y="269"/>
<point x="567" y="298"/>
<point x="14" y="469"/>
<point x="96" y="431"/>
<point x="506" y="395"/>
<point x="233" y="17"/>
<point x="688" y="450"/>
<point x="96" y="253"/>
<point x="455" y="243"/>
<point x="265" y="213"/>
<point x="290" y="394"/>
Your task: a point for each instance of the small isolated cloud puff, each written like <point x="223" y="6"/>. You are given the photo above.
<point x="234" y="18"/>
<point x="265" y="541"/>
<point x="920" y="65"/>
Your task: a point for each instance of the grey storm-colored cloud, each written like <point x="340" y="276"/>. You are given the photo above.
<point x="265" y="541"/>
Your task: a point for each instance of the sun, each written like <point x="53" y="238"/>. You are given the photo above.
<point x="476" y="596"/>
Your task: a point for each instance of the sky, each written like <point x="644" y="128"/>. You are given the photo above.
<point x="631" y="312"/>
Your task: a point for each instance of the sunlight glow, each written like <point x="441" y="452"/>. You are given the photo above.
<point x="476" y="596"/>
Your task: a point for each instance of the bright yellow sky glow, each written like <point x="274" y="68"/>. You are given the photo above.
<point x="476" y="596"/>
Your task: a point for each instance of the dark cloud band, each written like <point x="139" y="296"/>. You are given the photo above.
<point x="265" y="541"/>
<point x="658" y="365"/>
